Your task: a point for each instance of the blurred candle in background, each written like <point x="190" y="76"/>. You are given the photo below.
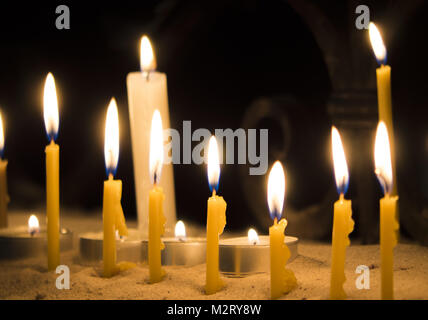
<point x="216" y="220"/>
<point x="4" y="197"/>
<point x="113" y="217"/>
<point x="388" y="206"/>
<point x="342" y="220"/>
<point x="51" y="117"/>
<point x="156" y="198"/>
<point x="147" y="91"/>
<point x="282" y="280"/>
<point x="383" y="77"/>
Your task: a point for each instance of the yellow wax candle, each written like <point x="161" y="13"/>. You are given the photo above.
<point x="388" y="222"/>
<point x="282" y="280"/>
<point x="383" y="79"/>
<point x="147" y="91"/>
<point x="113" y="217"/>
<point x="156" y="197"/>
<point x="216" y="221"/>
<point x="342" y="220"/>
<point x="156" y="230"/>
<point x="51" y="117"/>
<point x="4" y="197"/>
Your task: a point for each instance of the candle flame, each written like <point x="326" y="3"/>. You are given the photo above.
<point x="276" y="190"/>
<point x="383" y="166"/>
<point x="377" y="43"/>
<point x="213" y="164"/>
<point x="339" y="161"/>
<point x="50" y="107"/>
<point x="1" y="136"/>
<point x="180" y="231"/>
<point x="253" y="237"/>
<point x="111" y="138"/>
<point x="147" y="56"/>
<point x="33" y="225"/>
<point x="156" y="148"/>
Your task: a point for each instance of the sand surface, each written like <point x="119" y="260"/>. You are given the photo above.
<point x="29" y="279"/>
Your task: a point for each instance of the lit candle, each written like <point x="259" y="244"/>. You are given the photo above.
<point x="342" y="220"/>
<point x="282" y="280"/>
<point x="33" y="225"/>
<point x="243" y="256"/>
<point x="180" y="231"/>
<point x="147" y="91"/>
<point x="216" y="220"/>
<point x="183" y="249"/>
<point x="51" y="117"/>
<point x="388" y="204"/>
<point x="383" y="77"/>
<point x="156" y="198"/>
<point x="29" y="240"/>
<point x="4" y="197"/>
<point x="113" y="218"/>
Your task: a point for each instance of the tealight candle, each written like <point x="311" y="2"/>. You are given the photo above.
<point x="183" y="250"/>
<point x="29" y="240"/>
<point x="243" y="256"/>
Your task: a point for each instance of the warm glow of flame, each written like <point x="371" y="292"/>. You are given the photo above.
<point x="33" y="225"/>
<point x="50" y="107"/>
<point x="383" y="166"/>
<point x="147" y="56"/>
<point x="377" y="43"/>
<point x="1" y="135"/>
<point x="213" y="164"/>
<point x="339" y="161"/>
<point x="253" y="237"/>
<point x="276" y="190"/>
<point x="111" y="138"/>
<point x="180" y="230"/>
<point x="156" y="148"/>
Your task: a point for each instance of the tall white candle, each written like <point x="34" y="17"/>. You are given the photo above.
<point x="147" y="91"/>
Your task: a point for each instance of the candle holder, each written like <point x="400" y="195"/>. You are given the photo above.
<point x="18" y="243"/>
<point x="134" y="248"/>
<point x="239" y="258"/>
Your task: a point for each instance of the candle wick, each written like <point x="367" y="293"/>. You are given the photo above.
<point x="214" y="193"/>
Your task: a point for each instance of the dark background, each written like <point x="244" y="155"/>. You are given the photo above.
<point x="221" y="58"/>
